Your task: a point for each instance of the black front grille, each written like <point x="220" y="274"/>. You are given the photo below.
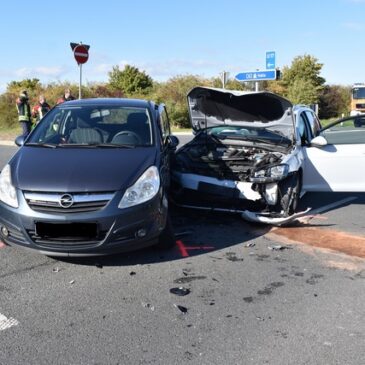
<point x="360" y="106"/>
<point x="53" y="207"/>
<point x="81" y="202"/>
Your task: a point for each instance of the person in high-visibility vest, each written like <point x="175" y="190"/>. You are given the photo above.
<point x="24" y="115"/>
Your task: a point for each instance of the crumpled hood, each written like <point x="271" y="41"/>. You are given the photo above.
<point x="210" y="107"/>
<point x="79" y="169"/>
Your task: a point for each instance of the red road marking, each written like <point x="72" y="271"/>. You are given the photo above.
<point x="184" y="249"/>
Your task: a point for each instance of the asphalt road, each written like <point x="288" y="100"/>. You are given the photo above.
<point x="247" y="305"/>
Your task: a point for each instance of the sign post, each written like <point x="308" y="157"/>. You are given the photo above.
<point x="81" y="54"/>
<point x="270" y="73"/>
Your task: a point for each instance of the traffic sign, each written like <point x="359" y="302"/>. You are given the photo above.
<point x="270" y="60"/>
<point x="81" y="53"/>
<point x="256" y="75"/>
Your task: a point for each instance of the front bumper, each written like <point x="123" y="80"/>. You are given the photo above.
<point x="118" y="230"/>
<point x="216" y="194"/>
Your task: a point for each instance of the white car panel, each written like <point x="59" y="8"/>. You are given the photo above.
<point x="338" y="168"/>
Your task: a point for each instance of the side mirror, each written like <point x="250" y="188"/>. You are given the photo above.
<point x="19" y="141"/>
<point x="173" y="141"/>
<point x="318" y="142"/>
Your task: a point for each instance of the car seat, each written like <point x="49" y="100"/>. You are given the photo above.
<point x="139" y="124"/>
<point x="84" y="134"/>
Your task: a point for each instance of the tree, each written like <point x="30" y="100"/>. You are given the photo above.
<point x="130" y="80"/>
<point x="173" y="93"/>
<point x="334" y="101"/>
<point x="301" y="81"/>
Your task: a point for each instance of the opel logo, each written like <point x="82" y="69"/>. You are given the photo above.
<point x="66" y="201"/>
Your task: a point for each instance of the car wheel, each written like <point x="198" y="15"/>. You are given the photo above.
<point x="290" y="193"/>
<point x="167" y="237"/>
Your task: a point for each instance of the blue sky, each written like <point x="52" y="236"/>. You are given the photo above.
<point x="168" y="38"/>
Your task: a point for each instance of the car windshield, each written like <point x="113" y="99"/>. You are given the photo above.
<point x="93" y="126"/>
<point x="265" y="135"/>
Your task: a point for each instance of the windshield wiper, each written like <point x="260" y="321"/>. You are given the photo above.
<point x="113" y="145"/>
<point x="96" y="145"/>
<point x="46" y="145"/>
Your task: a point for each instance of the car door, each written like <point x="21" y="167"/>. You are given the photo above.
<point x="338" y="165"/>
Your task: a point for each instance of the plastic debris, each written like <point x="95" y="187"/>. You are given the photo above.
<point x="182" y="309"/>
<point x="72" y="282"/>
<point x="278" y="247"/>
<point x="132" y="273"/>
<point x="56" y="269"/>
<point x="148" y="305"/>
<point x="180" y="291"/>
<point x="250" y="244"/>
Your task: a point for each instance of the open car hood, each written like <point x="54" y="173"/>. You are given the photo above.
<point x="211" y="107"/>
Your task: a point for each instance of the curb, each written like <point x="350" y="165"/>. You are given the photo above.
<point x="7" y="143"/>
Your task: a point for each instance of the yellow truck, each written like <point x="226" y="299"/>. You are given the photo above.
<point x="358" y="99"/>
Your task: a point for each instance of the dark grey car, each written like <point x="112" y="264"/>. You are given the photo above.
<point x="92" y="178"/>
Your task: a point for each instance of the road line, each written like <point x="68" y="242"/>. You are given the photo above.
<point x="6" y="322"/>
<point x="332" y="205"/>
<point x="182" y="248"/>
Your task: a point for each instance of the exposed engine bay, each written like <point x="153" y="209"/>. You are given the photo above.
<point x="224" y="160"/>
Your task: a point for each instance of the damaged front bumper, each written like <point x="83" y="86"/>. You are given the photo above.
<point x="255" y="202"/>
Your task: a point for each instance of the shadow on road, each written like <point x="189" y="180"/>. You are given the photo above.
<point x="197" y="233"/>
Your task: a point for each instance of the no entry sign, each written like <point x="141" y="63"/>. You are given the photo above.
<point x="81" y="53"/>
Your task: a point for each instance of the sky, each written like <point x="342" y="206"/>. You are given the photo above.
<point x="166" y="38"/>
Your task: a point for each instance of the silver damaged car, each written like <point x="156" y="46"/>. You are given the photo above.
<point x="246" y="156"/>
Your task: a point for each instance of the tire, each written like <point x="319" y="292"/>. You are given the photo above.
<point x="290" y="193"/>
<point x="167" y="237"/>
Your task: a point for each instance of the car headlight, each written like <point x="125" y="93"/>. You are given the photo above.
<point x="144" y="189"/>
<point x="273" y="173"/>
<point x="7" y="190"/>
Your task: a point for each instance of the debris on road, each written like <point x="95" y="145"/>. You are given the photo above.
<point x="250" y="244"/>
<point x="72" y="282"/>
<point x="56" y="269"/>
<point x="279" y="248"/>
<point x="148" y="305"/>
<point x="182" y="309"/>
<point x="180" y="291"/>
<point x="132" y="273"/>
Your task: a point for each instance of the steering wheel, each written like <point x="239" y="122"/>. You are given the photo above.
<point x="129" y="133"/>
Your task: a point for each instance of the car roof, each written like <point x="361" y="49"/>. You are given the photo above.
<point x="110" y="101"/>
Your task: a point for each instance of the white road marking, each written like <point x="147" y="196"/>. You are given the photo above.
<point x="6" y="322"/>
<point x="314" y="214"/>
<point x="332" y="205"/>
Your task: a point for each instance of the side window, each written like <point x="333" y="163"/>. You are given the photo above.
<point x="165" y="124"/>
<point x="303" y="129"/>
<point x="313" y="123"/>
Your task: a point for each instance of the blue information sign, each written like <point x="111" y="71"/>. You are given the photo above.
<point x="256" y="75"/>
<point x="270" y="60"/>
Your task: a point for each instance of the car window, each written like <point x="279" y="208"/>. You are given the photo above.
<point x="313" y="123"/>
<point x="346" y="131"/>
<point x="303" y="127"/>
<point x="92" y="125"/>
